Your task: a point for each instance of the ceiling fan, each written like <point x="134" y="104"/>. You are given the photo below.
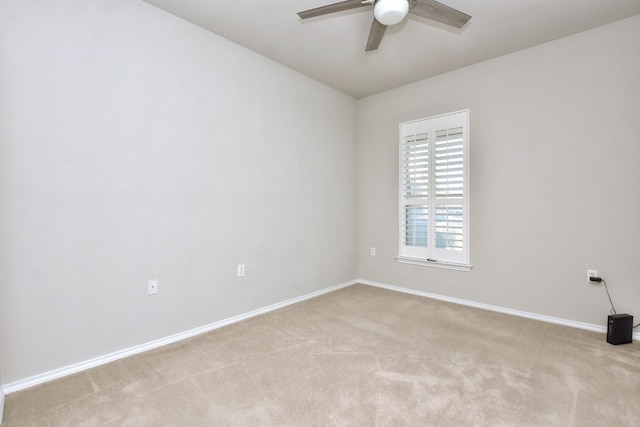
<point x="391" y="12"/>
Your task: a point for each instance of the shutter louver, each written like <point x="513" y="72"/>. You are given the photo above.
<point x="416" y="226"/>
<point x="449" y="227"/>
<point x="415" y="184"/>
<point x="449" y="171"/>
<point x="416" y="167"/>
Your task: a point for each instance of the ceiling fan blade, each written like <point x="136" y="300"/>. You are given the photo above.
<point x="375" y="35"/>
<point x="331" y="8"/>
<point x="439" y="12"/>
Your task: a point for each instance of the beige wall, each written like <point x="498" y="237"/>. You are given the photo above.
<point x="137" y="146"/>
<point x="554" y="176"/>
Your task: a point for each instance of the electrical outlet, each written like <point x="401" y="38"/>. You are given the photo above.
<point x="590" y="274"/>
<point x="240" y="270"/>
<point x="373" y="251"/>
<point x="152" y="287"/>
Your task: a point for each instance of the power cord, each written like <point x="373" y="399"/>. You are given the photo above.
<point x="606" y="288"/>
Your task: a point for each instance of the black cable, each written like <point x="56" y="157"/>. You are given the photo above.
<point x="613" y="310"/>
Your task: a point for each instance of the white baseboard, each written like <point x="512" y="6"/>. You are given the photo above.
<point x="535" y="316"/>
<point x="101" y="360"/>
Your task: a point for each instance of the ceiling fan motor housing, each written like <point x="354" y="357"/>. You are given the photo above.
<point x="390" y="12"/>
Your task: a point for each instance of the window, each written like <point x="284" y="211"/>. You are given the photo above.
<point x="434" y="191"/>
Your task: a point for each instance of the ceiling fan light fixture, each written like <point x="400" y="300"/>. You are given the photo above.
<point x="390" y="12"/>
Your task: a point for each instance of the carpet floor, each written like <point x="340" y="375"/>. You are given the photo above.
<point x="360" y="356"/>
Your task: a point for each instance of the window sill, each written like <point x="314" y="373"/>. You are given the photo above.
<point x="436" y="264"/>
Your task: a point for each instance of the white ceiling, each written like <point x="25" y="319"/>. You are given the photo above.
<point x="331" y="48"/>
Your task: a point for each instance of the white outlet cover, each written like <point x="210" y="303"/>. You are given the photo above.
<point x="152" y="287"/>
<point x="591" y="273"/>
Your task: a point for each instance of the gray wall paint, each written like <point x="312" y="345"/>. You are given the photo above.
<point x="134" y="146"/>
<point x="554" y="176"/>
<point x="137" y="146"/>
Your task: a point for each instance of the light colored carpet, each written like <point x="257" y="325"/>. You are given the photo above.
<point x="360" y="356"/>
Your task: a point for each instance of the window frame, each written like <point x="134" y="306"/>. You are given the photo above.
<point x="430" y="255"/>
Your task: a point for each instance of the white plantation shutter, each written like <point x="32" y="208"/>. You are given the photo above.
<point x="434" y="189"/>
<point x="416" y="166"/>
<point x="415" y="191"/>
<point x="449" y="165"/>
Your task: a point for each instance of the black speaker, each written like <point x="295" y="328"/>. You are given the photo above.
<point x="619" y="329"/>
